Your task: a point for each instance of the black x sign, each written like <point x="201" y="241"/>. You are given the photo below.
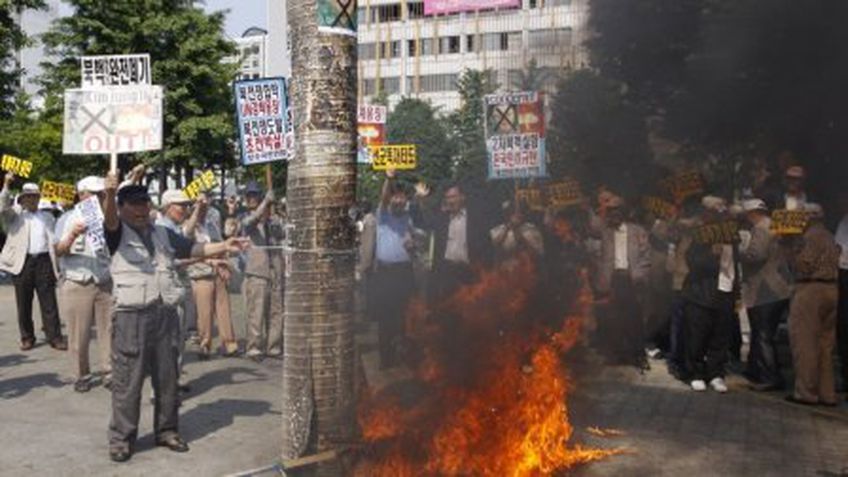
<point x="94" y="119"/>
<point x="508" y="116"/>
<point x="345" y="17"/>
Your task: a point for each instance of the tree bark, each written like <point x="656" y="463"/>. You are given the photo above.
<point x="318" y="368"/>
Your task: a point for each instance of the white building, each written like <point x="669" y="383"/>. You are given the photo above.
<point x="402" y="52"/>
<point x="35" y="23"/>
<point x="252" y="54"/>
<point x="279" y="52"/>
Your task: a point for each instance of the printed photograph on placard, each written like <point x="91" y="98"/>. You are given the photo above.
<point x="515" y="135"/>
<point x="337" y="17"/>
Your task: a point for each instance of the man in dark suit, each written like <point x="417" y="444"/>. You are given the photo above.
<point x="461" y="241"/>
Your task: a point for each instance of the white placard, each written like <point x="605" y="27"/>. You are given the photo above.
<point x="113" y="120"/>
<point x="372" y="114"/>
<point x="92" y="216"/>
<point x="115" y="70"/>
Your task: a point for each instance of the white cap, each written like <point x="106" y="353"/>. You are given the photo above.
<point x="47" y="205"/>
<point x="814" y="210"/>
<point x="92" y="184"/>
<point x="174" y="196"/>
<point x="751" y="205"/>
<point x="30" y="188"/>
<point x="714" y="203"/>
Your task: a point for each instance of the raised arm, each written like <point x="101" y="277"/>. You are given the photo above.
<point x="254" y="217"/>
<point x="197" y="216"/>
<point x="6" y="208"/>
<point x="110" y="204"/>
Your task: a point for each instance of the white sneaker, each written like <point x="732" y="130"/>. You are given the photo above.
<point x="698" y="385"/>
<point x="718" y="385"/>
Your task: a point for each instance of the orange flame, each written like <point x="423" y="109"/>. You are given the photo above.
<point x="508" y="416"/>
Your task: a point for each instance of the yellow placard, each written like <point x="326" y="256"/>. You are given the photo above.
<point x="726" y="232"/>
<point x="788" y="222"/>
<point x="531" y="197"/>
<point x="204" y="182"/>
<point x="58" y="192"/>
<point x="16" y="165"/>
<point x="564" y="194"/>
<point x="684" y="185"/>
<point x="659" y="207"/>
<point x="398" y="157"/>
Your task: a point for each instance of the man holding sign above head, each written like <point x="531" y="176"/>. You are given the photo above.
<point x="86" y="290"/>
<point x="146" y="293"/>
<point x="29" y="257"/>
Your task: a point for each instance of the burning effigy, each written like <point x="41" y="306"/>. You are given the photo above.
<point x="492" y="391"/>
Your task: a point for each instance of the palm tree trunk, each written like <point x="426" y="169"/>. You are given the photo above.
<point x="318" y="369"/>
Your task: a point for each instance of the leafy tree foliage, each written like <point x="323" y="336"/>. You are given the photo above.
<point x="467" y="125"/>
<point x="186" y="46"/>
<point x="12" y="39"/>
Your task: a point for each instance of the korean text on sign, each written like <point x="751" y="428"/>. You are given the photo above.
<point x="400" y="157"/>
<point x="565" y="193"/>
<point x="788" y="222"/>
<point x="515" y="135"/>
<point x="718" y="233"/>
<point x="58" y="192"/>
<point x="264" y="130"/>
<point x="16" y="165"/>
<point x="203" y="183"/>
<point x="92" y="216"/>
<point x="531" y="197"/>
<point x="115" y="70"/>
<point x="372" y="114"/>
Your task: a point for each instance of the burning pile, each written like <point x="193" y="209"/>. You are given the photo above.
<point x="491" y="398"/>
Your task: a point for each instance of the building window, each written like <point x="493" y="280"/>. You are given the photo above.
<point x="410" y="48"/>
<point x="557" y="3"/>
<point x="367" y="51"/>
<point x="427" y="47"/>
<point x="469" y="43"/>
<point x="389" y="13"/>
<point x="415" y="9"/>
<point x="449" y="44"/>
<point x="501" y="41"/>
<point x="434" y="83"/>
<point x="390" y="49"/>
<point x="552" y="39"/>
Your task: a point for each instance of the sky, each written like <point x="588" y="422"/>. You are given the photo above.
<point x="243" y="13"/>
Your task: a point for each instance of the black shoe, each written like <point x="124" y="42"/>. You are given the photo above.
<point x="795" y="400"/>
<point x="82" y="385"/>
<point x="174" y="443"/>
<point x="120" y="455"/>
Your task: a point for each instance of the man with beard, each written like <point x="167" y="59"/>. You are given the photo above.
<point x="146" y="295"/>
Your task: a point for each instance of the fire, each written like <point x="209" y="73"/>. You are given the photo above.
<point x="492" y="390"/>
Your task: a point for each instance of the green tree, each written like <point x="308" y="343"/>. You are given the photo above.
<point x="414" y="121"/>
<point x="597" y="135"/>
<point x="531" y="78"/>
<point x="12" y="39"/>
<point x="29" y="136"/>
<point x="467" y="125"/>
<point x="186" y="46"/>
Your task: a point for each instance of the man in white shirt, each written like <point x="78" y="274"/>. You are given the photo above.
<point x="28" y="256"/>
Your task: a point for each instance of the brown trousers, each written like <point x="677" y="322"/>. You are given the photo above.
<point x="263" y="299"/>
<point x="812" y="335"/>
<point x="212" y="298"/>
<point x="83" y="306"/>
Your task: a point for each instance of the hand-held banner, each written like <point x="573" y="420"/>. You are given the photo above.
<point x="788" y="222"/>
<point x="16" y="165"/>
<point x="399" y="157"/>
<point x="115" y="70"/>
<point x="265" y="132"/>
<point x="58" y="192"/>
<point x="372" y="130"/>
<point x="92" y="216"/>
<point x="515" y="135"/>
<point x="203" y="183"/>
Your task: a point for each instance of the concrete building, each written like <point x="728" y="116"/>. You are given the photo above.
<point x="35" y="23"/>
<point x="402" y="52"/>
<point x="252" y="53"/>
<point x="279" y="52"/>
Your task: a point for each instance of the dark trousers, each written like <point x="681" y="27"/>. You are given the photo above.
<point x="392" y="287"/>
<point x="842" y="327"/>
<point x="677" y="337"/>
<point x="707" y="340"/>
<point x="37" y="276"/>
<point x="143" y="342"/>
<point x="448" y="278"/>
<point x="763" y="364"/>
<point x="621" y="324"/>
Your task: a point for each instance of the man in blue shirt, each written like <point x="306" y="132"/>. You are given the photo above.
<point x="392" y="283"/>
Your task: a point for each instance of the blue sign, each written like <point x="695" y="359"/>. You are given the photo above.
<point x="264" y="122"/>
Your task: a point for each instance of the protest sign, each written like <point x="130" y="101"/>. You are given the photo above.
<point x="660" y="208"/>
<point x="515" y="135"/>
<point x="683" y="185"/>
<point x="115" y="70"/>
<point x="203" y="183"/>
<point x="265" y="132"/>
<point x="372" y="114"/>
<point x="58" y="192"/>
<point x="564" y="194"/>
<point x="337" y="17"/>
<point x="398" y="157"/>
<point x="531" y="197"/>
<point x="726" y="232"/>
<point x="113" y="120"/>
<point x="92" y="216"/>
<point x="435" y="7"/>
<point x="788" y="222"/>
<point x="16" y="165"/>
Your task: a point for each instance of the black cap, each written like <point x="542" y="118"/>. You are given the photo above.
<point x="254" y="188"/>
<point x="133" y="193"/>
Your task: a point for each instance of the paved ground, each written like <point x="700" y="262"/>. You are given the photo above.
<point x="231" y="420"/>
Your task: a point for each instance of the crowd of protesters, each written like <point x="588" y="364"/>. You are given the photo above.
<point x="161" y="278"/>
<point x="662" y="288"/>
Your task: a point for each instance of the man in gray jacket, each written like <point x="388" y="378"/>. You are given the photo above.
<point x="29" y="257"/>
<point x="766" y="289"/>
